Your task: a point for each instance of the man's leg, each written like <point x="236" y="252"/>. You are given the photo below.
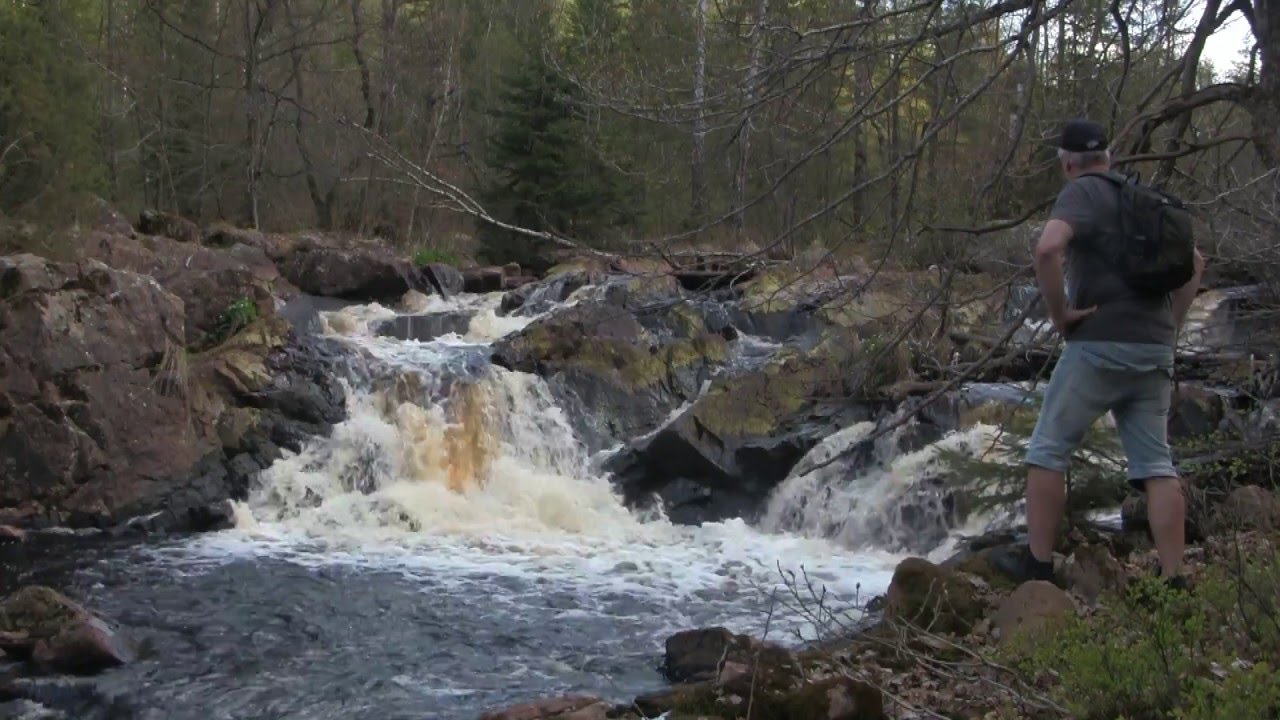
<point x="1077" y="395"/>
<point x="1046" y="504"/>
<point x="1167" y="514"/>
<point x="1143" y="422"/>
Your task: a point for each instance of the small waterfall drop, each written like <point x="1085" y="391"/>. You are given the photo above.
<point x="861" y="491"/>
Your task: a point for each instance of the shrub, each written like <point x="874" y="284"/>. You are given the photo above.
<point x="429" y="255"/>
<point x="238" y="315"/>
<point x="1159" y="655"/>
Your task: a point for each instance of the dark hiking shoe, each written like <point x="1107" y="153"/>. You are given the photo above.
<point x="1017" y="563"/>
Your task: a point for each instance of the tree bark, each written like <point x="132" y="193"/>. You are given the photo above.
<point x="698" y="155"/>
<point x="744" y="135"/>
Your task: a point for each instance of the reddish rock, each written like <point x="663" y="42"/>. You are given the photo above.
<point x="59" y="635"/>
<point x="358" y="273"/>
<point x="1248" y="508"/>
<point x="483" y="280"/>
<point x="208" y="281"/>
<point x="1033" y="606"/>
<point x="566" y="708"/>
<point x="83" y="647"/>
<point x="517" y="281"/>
<point x="1092" y="570"/>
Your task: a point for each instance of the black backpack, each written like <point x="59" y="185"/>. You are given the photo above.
<point x="1155" y="253"/>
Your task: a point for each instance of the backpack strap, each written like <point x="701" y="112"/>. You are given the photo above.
<point x="1112" y="176"/>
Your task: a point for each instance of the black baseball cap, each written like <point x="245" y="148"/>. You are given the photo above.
<point x="1083" y="136"/>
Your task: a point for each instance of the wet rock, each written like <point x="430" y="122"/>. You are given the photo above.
<point x="678" y="699"/>
<point x="11" y="534"/>
<point x="174" y="227"/>
<point x="446" y="279"/>
<point x="837" y="698"/>
<point x="932" y="597"/>
<point x="483" y="280"/>
<point x="561" y="282"/>
<point x="620" y="360"/>
<point x="362" y="273"/>
<point x="1248" y="508"/>
<point x="746" y="432"/>
<point x="424" y="328"/>
<point x="58" y="634"/>
<point x="566" y="708"/>
<point x="112" y="420"/>
<point x="695" y="655"/>
<point x="1091" y="570"/>
<point x="1034" y="606"/>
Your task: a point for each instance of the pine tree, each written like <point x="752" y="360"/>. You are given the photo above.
<point x="547" y="177"/>
<point x="996" y="480"/>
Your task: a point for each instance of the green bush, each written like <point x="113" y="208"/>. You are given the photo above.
<point x="238" y="315"/>
<point x="429" y="255"/>
<point x="1159" y="655"/>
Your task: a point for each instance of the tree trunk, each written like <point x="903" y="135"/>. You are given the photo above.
<point x="1265" y="104"/>
<point x="744" y="135"/>
<point x="251" y="110"/>
<point x="698" y="159"/>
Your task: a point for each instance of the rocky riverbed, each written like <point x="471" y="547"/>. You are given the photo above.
<point x="304" y="473"/>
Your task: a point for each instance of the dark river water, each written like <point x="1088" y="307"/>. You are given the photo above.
<point x="449" y="549"/>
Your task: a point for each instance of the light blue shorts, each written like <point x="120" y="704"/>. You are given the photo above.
<point x="1081" y="391"/>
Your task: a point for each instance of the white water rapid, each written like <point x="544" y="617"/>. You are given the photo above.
<point x="449" y="463"/>
<point x="451" y="548"/>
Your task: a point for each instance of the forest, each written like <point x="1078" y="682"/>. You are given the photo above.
<point x="922" y="128"/>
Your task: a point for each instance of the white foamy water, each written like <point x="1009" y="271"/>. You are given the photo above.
<point x="864" y="496"/>
<point x="482" y="475"/>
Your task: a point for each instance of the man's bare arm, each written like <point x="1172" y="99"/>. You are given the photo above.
<point x="1185" y="295"/>
<point x="1050" y="251"/>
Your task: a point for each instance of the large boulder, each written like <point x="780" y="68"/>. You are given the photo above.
<point x="363" y="272"/>
<point x="746" y="432"/>
<point x="1033" y="607"/>
<point x="700" y="655"/>
<point x="220" y="289"/>
<point x="105" y="415"/>
<point x="933" y="598"/>
<point x="83" y="350"/>
<point x="621" y="359"/>
<point x="1248" y="508"/>
<point x="57" y="634"/>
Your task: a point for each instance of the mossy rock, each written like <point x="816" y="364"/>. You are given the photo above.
<point x="932" y="598"/>
<point x="39" y="612"/>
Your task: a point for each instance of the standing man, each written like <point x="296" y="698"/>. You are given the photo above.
<point x="1118" y="357"/>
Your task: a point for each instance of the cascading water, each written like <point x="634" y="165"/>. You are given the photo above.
<point x="858" y="489"/>
<point x="449" y="548"/>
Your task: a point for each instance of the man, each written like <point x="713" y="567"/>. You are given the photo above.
<point x="1118" y="357"/>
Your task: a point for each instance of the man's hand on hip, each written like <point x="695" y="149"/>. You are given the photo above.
<point x="1069" y="318"/>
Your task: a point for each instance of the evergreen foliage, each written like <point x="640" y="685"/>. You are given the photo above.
<point x="996" y="480"/>
<point x="49" y="158"/>
<point x="547" y="177"/>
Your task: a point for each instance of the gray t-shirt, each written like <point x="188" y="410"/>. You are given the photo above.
<point x="1091" y="206"/>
